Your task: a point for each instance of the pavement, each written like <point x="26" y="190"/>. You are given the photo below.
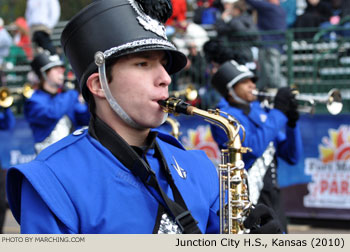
<point x="11" y="227"/>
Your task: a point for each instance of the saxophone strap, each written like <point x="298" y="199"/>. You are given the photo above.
<point x="139" y="167"/>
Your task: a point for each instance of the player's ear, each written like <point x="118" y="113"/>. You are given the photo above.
<point x="94" y="85"/>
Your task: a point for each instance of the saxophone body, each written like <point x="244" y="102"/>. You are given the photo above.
<point x="234" y="191"/>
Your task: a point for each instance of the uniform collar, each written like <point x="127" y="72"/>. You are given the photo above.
<point x="244" y="107"/>
<point x="99" y="130"/>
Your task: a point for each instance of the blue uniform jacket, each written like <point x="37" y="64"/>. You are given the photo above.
<point x="262" y="127"/>
<point x="7" y="119"/>
<point x="44" y="110"/>
<point x="78" y="186"/>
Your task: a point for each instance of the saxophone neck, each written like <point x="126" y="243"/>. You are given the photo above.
<point x="228" y="124"/>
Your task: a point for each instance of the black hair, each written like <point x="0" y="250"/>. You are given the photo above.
<point x="217" y="51"/>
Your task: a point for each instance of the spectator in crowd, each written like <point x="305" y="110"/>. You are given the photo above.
<point x="345" y="7"/>
<point x="5" y="45"/>
<point x="7" y="121"/>
<point x="195" y="70"/>
<point x="119" y="176"/>
<point x="190" y="32"/>
<point x="340" y="9"/>
<point x="271" y="17"/>
<point x="216" y="52"/>
<point x="52" y="111"/>
<point x="21" y="37"/>
<point x="178" y="18"/>
<point x="290" y="6"/>
<point x="235" y="19"/>
<point x="316" y="13"/>
<point x="345" y="13"/>
<point x="271" y="133"/>
<point x="205" y="13"/>
<point x="5" y="42"/>
<point x="42" y="16"/>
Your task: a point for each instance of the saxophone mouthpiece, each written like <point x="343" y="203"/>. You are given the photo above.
<point x="174" y="105"/>
<point x="162" y="103"/>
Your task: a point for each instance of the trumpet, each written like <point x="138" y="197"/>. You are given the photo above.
<point x="333" y="100"/>
<point x="7" y="97"/>
<point x="234" y="192"/>
<point x="190" y="93"/>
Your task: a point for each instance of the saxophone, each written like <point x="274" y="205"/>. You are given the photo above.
<point x="175" y="125"/>
<point x="234" y="192"/>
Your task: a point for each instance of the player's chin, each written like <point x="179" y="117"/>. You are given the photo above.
<point x="252" y="98"/>
<point x="154" y="122"/>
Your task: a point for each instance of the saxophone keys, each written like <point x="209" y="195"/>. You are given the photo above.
<point x="236" y="179"/>
<point x="245" y="149"/>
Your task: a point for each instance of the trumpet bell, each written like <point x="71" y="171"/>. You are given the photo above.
<point x="27" y="91"/>
<point x="190" y="93"/>
<point x="334" y="104"/>
<point x="6" y="100"/>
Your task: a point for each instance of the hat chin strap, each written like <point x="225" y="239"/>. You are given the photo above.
<point x="236" y="97"/>
<point x="112" y="101"/>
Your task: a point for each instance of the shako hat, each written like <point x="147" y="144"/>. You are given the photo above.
<point x="228" y="75"/>
<point x="44" y="61"/>
<point x="117" y="28"/>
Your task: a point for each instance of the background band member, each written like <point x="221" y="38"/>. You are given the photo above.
<point x="52" y="113"/>
<point x="7" y="121"/>
<point x="271" y="133"/>
<point x="140" y="180"/>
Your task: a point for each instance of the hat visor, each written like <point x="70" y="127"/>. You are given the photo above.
<point x="51" y="65"/>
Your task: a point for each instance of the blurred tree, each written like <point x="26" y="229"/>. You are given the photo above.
<point x="11" y="9"/>
<point x="70" y="7"/>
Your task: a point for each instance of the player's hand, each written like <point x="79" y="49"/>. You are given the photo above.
<point x="263" y="220"/>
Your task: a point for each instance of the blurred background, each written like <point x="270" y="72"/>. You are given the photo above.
<point x="308" y="48"/>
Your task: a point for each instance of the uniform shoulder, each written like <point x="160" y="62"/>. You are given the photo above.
<point x="169" y="139"/>
<point x="172" y="145"/>
<point x="64" y="143"/>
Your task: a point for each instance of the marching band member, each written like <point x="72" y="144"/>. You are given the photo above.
<point x="271" y="133"/>
<point x="7" y="121"/>
<point x="53" y="114"/>
<point x="119" y="176"/>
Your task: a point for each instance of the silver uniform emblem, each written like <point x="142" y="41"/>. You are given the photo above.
<point x="263" y="118"/>
<point x="168" y="226"/>
<point x="182" y="173"/>
<point x="147" y="22"/>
